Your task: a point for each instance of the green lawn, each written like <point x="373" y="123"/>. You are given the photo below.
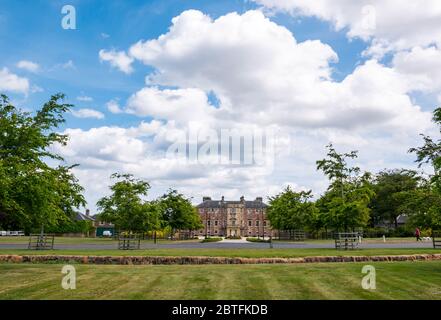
<point x="398" y="280"/>
<point x="222" y="252"/>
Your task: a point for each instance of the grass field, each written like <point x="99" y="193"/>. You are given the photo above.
<point x="77" y="240"/>
<point x="398" y="280"/>
<point x="222" y="252"/>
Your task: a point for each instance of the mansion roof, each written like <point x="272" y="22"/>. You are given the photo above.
<point x="254" y="204"/>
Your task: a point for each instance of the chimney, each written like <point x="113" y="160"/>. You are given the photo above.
<point x="206" y="199"/>
<point x="259" y="199"/>
<point x="87" y="212"/>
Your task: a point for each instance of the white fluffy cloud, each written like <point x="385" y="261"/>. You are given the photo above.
<point x="28" y="65"/>
<point x="262" y="77"/>
<point x="113" y="107"/>
<point x="87" y="113"/>
<point x="117" y="59"/>
<point x="261" y="74"/>
<point x="13" y="83"/>
<point x="182" y="104"/>
<point x="392" y="24"/>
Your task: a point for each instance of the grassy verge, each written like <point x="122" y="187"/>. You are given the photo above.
<point x="74" y="240"/>
<point x="399" y="280"/>
<point x="222" y="252"/>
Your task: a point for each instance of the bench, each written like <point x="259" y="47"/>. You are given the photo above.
<point x="41" y="241"/>
<point x="347" y="240"/>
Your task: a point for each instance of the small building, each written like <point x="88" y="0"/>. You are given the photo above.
<point x="103" y="227"/>
<point x="241" y="218"/>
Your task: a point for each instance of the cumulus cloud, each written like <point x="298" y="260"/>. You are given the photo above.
<point x="117" y="59"/>
<point x="28" y="65"/>
<point x="114" y="107"/>
<point x="87" y="113"/>
<point x="13" y="83"/>
<point x="262" y="76"/>
<point x="391" y="24"/>
<point x="181" y="104"/>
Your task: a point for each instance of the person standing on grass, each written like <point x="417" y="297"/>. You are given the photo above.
<point x="418" y="234"/>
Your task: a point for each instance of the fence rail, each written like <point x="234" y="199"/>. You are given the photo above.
<point x="346" y="240"/>
<point x="436" y="238"/>
<point x="41" y="241"/>
<point x="293" y="235"/>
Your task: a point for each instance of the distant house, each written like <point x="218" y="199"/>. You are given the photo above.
<point x="99" y="226"/>
<point x="84" y="217"/>
<point x="103" y="227"/>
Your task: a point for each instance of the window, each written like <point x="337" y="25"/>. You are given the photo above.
<point x="250" y="223"/>
<point x="264" y="223"/>
<point x="215" y="223"/>
<point x="257" y="223"/>
<point x="208" y="222"/>
<point x="215" y="231"/>
<point x="233" y="222"/>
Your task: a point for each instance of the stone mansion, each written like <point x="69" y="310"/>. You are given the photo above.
<point x="234" y="218"/>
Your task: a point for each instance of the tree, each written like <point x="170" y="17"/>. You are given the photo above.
<point x="126" y="208"/>
<point x="178" y="212"/>
<point x="291" y="210"/>
<point x="345" y="204"/>
<point x="390" y="187"/>
<point x="34" y="194"/>
<point x="424" y="206"/>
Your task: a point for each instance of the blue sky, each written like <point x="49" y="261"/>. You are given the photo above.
<point x="32" y="31"/>
<point x="376" y="97"/>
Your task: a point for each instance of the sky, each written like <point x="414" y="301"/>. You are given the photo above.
<point x="153" y="81"/>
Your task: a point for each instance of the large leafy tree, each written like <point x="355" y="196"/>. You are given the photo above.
<point x="424" y="206"/>
<point x="345" y="204"/>
<point x="290" y="210"/>
<point x="178" y="212"/>
<point x="34" y="194"/>
<point x="127" y="208"/>
<point x="392" y="187"/>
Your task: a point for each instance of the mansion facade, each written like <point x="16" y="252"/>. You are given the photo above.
<point x="234" y="218"/>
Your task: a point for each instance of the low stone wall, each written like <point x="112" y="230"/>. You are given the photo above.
<point x="150" y="260"/>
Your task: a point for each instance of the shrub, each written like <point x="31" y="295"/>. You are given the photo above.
<point x="257" y="240"/>
<point x="233" y="237"/>
<point x="211" y="239"/>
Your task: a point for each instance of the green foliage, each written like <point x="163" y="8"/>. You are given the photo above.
<point x="178" y="212"/>
<point x="392" y="188"/>
<point x="291" y="210"/>
<point x="126" y="208"/>
<point x="258" y="240"/>
<point x="424" y="206"/>
<point x="72" y="226"/>
<point x="345" y="205"/>
<point x="34" y="194"/>
<point x="211" y="239"/>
